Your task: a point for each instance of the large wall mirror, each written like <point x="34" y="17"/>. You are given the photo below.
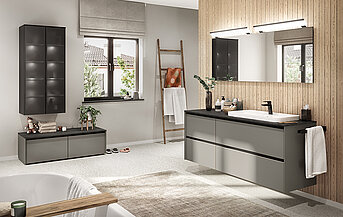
<point x="283" y="56"/>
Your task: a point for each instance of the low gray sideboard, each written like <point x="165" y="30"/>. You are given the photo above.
<point x="266" y="153"/>
<point x="37" y="148"/>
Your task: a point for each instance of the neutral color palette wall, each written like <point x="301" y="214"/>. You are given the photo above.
<point x="325" y="96"/>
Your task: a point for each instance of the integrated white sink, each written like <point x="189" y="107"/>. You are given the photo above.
<point x="263" y="116"/>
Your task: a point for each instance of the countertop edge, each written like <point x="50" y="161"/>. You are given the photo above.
<point x="224" y="116"/>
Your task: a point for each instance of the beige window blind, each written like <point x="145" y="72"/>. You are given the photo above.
<point x="294" y="36"/>
<point x="111" y="18"/>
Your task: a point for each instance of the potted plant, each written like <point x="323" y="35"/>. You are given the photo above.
<point x="208" y="85"/>
<point x="88" y="113"/>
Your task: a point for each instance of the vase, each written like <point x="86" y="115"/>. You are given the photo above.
<point x="208" y="100"/>
<point x="89" y="116"/>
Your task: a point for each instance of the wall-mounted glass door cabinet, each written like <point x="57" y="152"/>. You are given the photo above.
<point x="41" y="69"/>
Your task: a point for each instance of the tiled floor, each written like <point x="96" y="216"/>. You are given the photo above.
<point x="149" y="158"/>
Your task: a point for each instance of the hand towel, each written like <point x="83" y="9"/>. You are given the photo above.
<point x="79" y="187"/>
<point x="315" y="152"/>
<point x="175" y="104"/>
<point x="5" y="209"/>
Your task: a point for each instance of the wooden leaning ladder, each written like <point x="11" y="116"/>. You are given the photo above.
<point x="177" y="52"/>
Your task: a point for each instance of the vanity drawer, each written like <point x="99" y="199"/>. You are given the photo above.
<point x="200" y="127"/>
<point x="200" y="152"/>
<point x="258" y="139"/>
<point x="262" y="171"/>
<point x="40" y="150"/>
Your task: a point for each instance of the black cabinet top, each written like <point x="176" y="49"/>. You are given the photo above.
<point x="69" y="132"/>
<point x="224" y="116"/>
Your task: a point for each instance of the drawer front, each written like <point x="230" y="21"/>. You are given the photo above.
<point x="200" y="127"/>
<point x="40" y="150"/>
<point x="86" y="145"/>
<point x="262" y="171"/>
<point x="200" y="152"/>
<point x="263" y="140"/>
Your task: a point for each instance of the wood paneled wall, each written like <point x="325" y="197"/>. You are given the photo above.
<point x="325" y="95"/>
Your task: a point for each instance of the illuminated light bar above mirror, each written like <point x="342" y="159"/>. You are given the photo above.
<point x="285" y="25"/>
<point x="230" y="32"/>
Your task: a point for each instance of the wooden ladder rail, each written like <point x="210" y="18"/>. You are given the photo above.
<point x="178" y="52"/>
<point x="73" y="205"/>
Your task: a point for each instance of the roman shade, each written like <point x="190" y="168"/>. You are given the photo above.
<point x="294" y="36"/>
<point x="111" y="18"/>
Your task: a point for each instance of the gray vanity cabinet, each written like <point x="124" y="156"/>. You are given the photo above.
<point x="268" y="154"/>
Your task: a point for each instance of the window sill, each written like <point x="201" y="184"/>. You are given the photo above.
<point x="110" y="100"/>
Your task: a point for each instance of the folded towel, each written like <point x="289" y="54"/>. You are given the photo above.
<point x="5" y="209"/>
<point x="47" y="124"/>
<point x="47" y="131"/>
<point x="315" y="152"/>
<point x="79" y="187"/>
<point x="175" y="104"/>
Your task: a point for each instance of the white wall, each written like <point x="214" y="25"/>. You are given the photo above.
<point x="125" y="121"/>
<point x="251" y="57"/>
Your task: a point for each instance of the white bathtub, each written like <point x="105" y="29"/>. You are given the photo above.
<point x="43" y="188"/>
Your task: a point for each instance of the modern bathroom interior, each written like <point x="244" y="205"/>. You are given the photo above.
<point x="121" y="108"/>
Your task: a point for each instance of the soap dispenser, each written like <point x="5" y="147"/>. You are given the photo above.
<point x="217" y="106"/>
<point x="222" y="103"/>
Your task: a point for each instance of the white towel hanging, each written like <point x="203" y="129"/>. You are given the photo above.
<point x="315" y="152"/>
<point x="175" y="104"/>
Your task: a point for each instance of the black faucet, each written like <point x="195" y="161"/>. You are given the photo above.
<point x="270" y="107"/>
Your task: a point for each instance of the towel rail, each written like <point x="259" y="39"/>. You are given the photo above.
<point x="305" y="131"/>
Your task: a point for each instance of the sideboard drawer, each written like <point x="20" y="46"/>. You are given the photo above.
<point x="200" y="127"/>
<point x="87" y="145"/>
<point x="40" y="150"/>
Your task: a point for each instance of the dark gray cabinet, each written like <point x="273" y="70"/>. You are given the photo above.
<point x="265" y="153"/>
<point x="225" y="59"/>
<point x="41" y="69"/>
<point x="36" y="148"/>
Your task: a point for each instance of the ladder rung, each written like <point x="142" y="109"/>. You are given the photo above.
<point x="166" y="69"/>
<point x="177" y="129"/>
<point x="168" y="50"/>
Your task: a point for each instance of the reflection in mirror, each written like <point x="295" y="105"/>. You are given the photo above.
<point x="284" y="56"/>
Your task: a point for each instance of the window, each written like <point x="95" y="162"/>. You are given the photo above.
<point x="298" y="63"/>
<point x="110" y="68"/>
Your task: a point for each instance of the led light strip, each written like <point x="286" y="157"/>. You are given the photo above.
<point x="272" y="27"/>
<point x="230" y="32"/>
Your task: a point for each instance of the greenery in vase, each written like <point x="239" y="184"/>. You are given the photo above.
<point x="91" y="82"/>
<point x="84" y="113"/>
<point x="209" y="84"/>
<point x="127" y="77"/>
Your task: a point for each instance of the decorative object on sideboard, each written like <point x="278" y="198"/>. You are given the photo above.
<point x="47" y="126"/>
<point x="208" y="85"/>
<point x="88" y="114"/>
<point x="31" y="127"/>
<point x="232" y="105"/>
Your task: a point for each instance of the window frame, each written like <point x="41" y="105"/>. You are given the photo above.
<point x="110" y="70"/>
<point x="303" y="62"/>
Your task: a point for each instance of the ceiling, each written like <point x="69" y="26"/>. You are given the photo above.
<point x="192" y="4"/>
